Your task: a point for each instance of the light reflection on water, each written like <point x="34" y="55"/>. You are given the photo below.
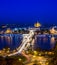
<point x="52" y="42"/>
<point x="13" y="41"/>
<point x="45" y="43"/>
<point x="10" y="41"/>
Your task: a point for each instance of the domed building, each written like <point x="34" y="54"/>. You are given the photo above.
<point x="8" y="31"/>
<point x="37" y="24"/>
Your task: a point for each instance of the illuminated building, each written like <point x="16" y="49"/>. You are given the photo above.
<point x="53" y="31"/>
<point x="8" y="31"/>
<point x="37" y="24"/>
<point x="4" y="26"/>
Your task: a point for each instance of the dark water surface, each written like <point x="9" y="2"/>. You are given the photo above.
<point x="45" y="42"/>
<point x="13" y="41"/>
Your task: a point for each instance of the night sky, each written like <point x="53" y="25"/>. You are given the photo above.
<point x="28" y="11"/>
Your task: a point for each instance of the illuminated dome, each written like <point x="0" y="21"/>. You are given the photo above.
<point x="8" y="31"/>
<point x="37" y="24"/>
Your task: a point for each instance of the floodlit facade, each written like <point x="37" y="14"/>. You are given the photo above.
<point x="37" y="24"/>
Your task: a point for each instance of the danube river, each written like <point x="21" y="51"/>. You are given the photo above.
<point x="45" y="42"/>
<point x="13" y="41"/>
